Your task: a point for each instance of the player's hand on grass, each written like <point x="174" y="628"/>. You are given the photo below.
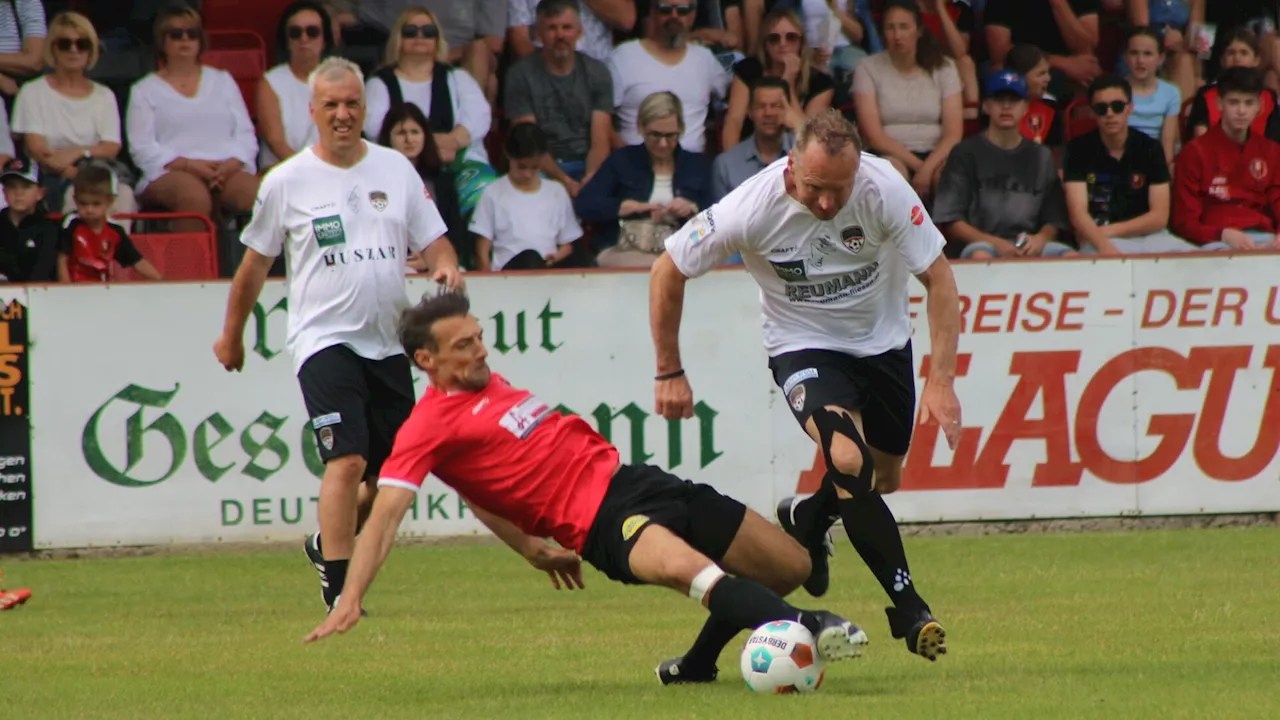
<point x="564" y="567"/>
<point x="343" y="618"/>
<point x="450" y="277"/>
<point x="230" y="352"/>
<point x="673" y="398"/>
<point x="939" y="403"/>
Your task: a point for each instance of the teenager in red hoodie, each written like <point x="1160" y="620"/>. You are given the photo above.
<point x="1227" y="187"/>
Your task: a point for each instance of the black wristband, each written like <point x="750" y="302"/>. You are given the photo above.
<point x="670" y="375"/>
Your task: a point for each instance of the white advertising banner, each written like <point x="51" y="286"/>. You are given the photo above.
<point x="1100" y="388"/>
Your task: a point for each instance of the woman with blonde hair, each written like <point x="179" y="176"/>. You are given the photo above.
<point x="643" y="193"/>
<point x="417" y="71"/>
<point x="68" y="121"/>
<point x="782" y="54"/>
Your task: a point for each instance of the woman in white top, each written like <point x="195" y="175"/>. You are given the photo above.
<point x="189" y="130"/>
<point x="284" y="100"/>
<point x="416" y="58"/>
<point x="68" y="121"/>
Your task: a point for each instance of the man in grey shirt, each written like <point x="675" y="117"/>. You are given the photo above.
<point x="1000" y="194"/>
<point x="569" y="95"/>
<point x="770" y="140"/>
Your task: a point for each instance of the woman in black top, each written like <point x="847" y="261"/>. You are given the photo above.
<point x="782" y="54"/>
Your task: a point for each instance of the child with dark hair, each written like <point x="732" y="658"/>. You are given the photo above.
<point x="1043" y="122"/>
<point x="90" y="245"/>
<point x="1242" y="50"/>
<point x="524" y="222"/>
<point x="28" y="238"/>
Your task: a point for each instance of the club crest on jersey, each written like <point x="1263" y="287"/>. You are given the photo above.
<point x="852" y="237"/>
<point x="326" y="437"/>
<point x="796" y="398"/>
<point x="378" y="200"/>
<point x="1258" y="168"/>
<point x="1137" y="181"/>
<point x="1037" y="124"/>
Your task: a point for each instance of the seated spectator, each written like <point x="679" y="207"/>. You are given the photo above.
<point x="28" y="238"/>
<point x="772" y="139"/>
<point x="474" y="32"/>
<point x="782" y="55"/>
<point x="67" y="121"/>
<point x="596" y="40"/>
<point x="645" y="192"/>
<point x="1117" y="180"/>
<point x="665" y="61"/>
<point x="1156" y="103"/>
<point x="1241" y="51"/>
<point x="405" y="129"/>
<point x="716" y="25"/>
<point x="1228" y="192"/>
<point x="951" y="22"/>
<point x="1000" y="195"/>
<point x="1043" y="121"/>
<point x="833" y="33"/>
<point x="1171" y="20"/>
<point x="1256" y="16"/>
<point x="908" y="100"/>
<point x="284" y="98"/>
<point x="417" y="71"/>
<point x="568" y="94"/>
<point x="1071" y="43"/>
<point x="522" y="221"/>
<point x="22" y="45"/>
<point x="90" y="246"/>
<point x="189" y="130"/>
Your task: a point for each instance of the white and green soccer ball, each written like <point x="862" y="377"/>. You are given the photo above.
<point x="782" y="657"/>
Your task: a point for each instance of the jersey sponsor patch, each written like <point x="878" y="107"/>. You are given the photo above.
<point x="378" y="200"/>
<point x="798" y="377"/>
<point x="701" y="226"/>
<point x="917" y="215"/>
<point x="323" y="420"/>
<point x="790" y="270"/>
<point x="632" y="525"/>
<point x="329" y="231"/>
<point x="524" y="416"/>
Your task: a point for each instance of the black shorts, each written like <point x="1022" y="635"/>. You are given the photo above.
<point x="642" y="494"/>
<point x="882" y="387"/>
<point x="356" y="405"/>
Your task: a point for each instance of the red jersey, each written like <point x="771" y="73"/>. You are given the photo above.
<point x="1222" y="184"/>
<point x="508" y="452"/>
<point x="1038" y="121"/>
<point x="91" y="253"/>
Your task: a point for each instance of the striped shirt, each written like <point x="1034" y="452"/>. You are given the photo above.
<point x="30" y="15"/>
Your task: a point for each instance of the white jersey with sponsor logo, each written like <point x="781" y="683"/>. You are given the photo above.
<point x="347" y="233"/>
<point x="838" y="285"/>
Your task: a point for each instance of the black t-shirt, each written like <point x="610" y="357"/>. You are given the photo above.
<point x="1118" y="189"/>
<point x="28" y="252"/>
<point x="748" y="70"/>
<point x="1032" y="21"/>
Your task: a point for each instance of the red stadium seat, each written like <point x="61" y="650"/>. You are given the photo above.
<point x="178" y="256"/>
<point x="1185" y="118"/>
<point x="258" y="16"/>
<point x="243" y="53"/>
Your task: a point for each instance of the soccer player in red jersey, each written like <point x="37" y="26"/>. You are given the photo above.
<point x="529" y="472"/>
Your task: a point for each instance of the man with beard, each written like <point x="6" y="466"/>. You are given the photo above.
<point x="769" y="140"/>
<point x="568" y="94"/>
<point x="664" y="61"/>
<point x="346" y="213"/>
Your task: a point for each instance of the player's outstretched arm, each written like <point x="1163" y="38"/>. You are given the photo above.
<point x="939" y="401"/>
<point x="562" y="566"/>
<point x="673" y="397"/>
<point x="372" y="548"/>
<point x="245" y="289"/>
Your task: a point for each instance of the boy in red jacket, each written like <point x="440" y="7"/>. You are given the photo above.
<point x="1227" y="188"/>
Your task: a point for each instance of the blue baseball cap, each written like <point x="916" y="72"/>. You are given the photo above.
<point x="1006" y="81"/>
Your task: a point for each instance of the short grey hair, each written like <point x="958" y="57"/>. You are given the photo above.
<point x="333" y="68"/>
<point x="830" y="129"/>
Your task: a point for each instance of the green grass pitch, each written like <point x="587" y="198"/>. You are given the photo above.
<point x="1154" y="624"/>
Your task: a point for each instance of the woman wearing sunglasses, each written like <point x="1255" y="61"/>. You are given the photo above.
<point x="284" y="100"/>
<point x="189" y="129"/>
<point x="68" y="121"/>
<point x="417" y="71"/>
<point x="782" y="55"/>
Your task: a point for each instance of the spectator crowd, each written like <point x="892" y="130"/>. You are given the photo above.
<point x="579" y="133"/>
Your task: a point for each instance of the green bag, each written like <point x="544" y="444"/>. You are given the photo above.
<point x="470" y="178"/>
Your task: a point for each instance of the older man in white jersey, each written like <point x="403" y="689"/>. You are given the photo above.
<point x="832" y="236"/>
<point x="348" y="213"/>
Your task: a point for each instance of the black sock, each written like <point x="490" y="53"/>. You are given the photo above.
<point x="874" y="533"/>
<point x="335" y="572"/>
<point x="745" y="604"/>
<point x="816" y="510"/>
<point x="713" y="638"/>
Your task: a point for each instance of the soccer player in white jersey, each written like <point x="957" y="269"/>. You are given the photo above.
<point x="347" y="213"/>
<point x="832" y="236"/>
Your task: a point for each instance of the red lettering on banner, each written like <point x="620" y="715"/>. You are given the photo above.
<point x="1171" y="302"/>
<point x="1066" y="308"/>
<point x="1013" y="312"/>
<point x="1163" y="306"/>
<point x="1237" y="308"/>
<point x="1223" y="364"/>
<point x="1037" y="312"/>
<point x="984" y="312"/>
<point x="1273" y="306"/>
<point x="1039" y="305"/>
<point x="920" y="473"/>
<point x="1189" y="305"/>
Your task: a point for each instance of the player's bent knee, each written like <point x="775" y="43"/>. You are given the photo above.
<point x="845" y="451"/>
<point x="346" y="468"/>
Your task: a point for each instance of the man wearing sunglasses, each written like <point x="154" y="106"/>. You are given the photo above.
<point x="1117" y="180"/>
<point x="1228" y="185"/>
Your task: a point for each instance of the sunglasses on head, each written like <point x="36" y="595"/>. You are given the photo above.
<point x="68" y="44"/>
<point x="669" y="8"/>
<point x="1116" y="106"/>
<point x="297" y="31"/>
<point x="180" y="33"/>
<point x="775" y="38"/>
<point x="426" y="32"/>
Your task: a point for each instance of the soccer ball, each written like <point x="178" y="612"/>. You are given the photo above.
<point x="782" y="657"/>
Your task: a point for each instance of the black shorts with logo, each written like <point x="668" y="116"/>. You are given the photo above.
<point x="356" y="404"/>
<point x="882" y="387"/>
<point x="640" y="495"/>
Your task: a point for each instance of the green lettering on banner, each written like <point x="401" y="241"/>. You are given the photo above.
<point x="546" y="316"/>
<point x="311" y="451"/>
<point x="504" y="343"/>
<point x="260" y="318"/>
<point x="435" y="504"/>
<point x="273" y="444"/>
<point x="632" y="412"/>
<point x="284" y="511"/>
<point x="500" y="333"/>
<point x="413" y="508"/>
<point x="262" y="511"/>
<point x="202" y="449"/>
<point x="232" y="505"/>
<point x="462" y="507"/>
<point x="706" y="433"/>
<point x="166" y="425"/>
